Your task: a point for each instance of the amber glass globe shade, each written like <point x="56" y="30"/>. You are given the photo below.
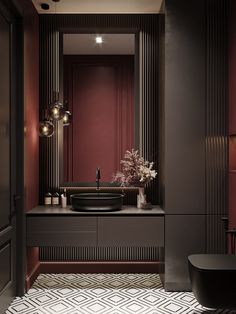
<point x="56" y="111"/>
<point x="67" y="118"/>
<point x="46" y="128"/>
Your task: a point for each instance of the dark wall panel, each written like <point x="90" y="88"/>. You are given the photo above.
<point x="146" y="26"/>
<point x="216" y="122"/>
<point x="232" y="114"/>
<point x="185" y="107"/>
<point x="5" y="114"/>
<point x="195" y="173"/>
<point x="185" y="235"/>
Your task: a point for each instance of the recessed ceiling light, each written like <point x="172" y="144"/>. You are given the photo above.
<point x="99" y="40"/>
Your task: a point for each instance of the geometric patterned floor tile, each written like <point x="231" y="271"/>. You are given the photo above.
<point x="105" y="294"/>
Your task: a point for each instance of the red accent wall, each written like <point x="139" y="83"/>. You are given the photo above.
<point x="232" y="114"/>
<point x="232" y="68"/>
<point x="100" y="95"/>
<point x="31" y="106"/>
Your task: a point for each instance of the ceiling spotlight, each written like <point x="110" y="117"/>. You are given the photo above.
<point x="99" y="40"/>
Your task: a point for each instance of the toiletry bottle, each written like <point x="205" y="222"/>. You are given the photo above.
<point x="64" y="199"/>
<point x="55" y="199"/>
<point x="48" y="199"/>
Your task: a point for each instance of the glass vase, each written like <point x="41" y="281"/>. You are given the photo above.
<point x="141" y="197"/>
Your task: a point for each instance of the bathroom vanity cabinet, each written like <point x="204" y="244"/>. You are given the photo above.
<point x="130" y="227"/>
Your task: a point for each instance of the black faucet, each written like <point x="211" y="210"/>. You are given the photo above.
<point x="98" y="177"/>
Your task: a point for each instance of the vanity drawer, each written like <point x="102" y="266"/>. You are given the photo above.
<point x="61" y="231"/>
<point x="131" y="231"/>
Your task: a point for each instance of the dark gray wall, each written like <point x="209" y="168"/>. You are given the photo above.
<point x="185" y="107"/>
<point x="185" y="235"/>
<point x="195" y="133"/>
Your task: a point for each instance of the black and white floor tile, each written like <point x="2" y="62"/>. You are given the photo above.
<point x="104" y="294"/>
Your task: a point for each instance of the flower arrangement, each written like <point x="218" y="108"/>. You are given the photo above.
<point x="135" y="170"/>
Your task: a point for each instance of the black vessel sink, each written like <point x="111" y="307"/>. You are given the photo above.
<point x="96" y="201"/>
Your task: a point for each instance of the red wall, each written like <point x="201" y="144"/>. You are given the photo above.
<point x="232" y="68"/>
<point x="100" y="95"/>
<point x="232" y="114"/>
<point x="31" y="104"/>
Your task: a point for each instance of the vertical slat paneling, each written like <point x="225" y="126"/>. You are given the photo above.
<point x="99" y="253"/>
<point x="216" y="123"/>
<point x="149" y="99"/>
<point x="49" y="86"/>
<point x="147" y="25"/>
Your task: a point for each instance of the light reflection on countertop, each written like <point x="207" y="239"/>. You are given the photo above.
<point x="126" y="210"/>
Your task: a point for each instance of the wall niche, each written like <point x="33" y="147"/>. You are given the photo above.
<point x="147" y="31"/>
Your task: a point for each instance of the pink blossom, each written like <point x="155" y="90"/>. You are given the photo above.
<point x="135" y="170"/>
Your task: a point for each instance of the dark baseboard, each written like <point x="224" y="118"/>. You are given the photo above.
<point x="100" y="267"/>
<point x="30" y="278"/>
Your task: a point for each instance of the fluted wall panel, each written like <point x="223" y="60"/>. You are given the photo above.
<point x="146" y="28"/>
<point x="149" y="60"/>
<point x="216" y="123"/>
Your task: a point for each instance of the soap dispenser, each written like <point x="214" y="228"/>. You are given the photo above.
<point x="55" y="199"/>
<point x="48" y="199"/>
<point x="64" y="199"/>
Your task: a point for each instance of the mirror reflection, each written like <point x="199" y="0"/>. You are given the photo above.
<point x="98" y="88"/>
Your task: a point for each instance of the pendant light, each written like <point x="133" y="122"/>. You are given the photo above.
<point x="56" y="111"/>
<point x="67" y="118"/>
<point x="46" y="127"/>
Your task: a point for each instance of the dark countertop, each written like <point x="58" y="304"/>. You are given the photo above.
<point x="125" y="211"/>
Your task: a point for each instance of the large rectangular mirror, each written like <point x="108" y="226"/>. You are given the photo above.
<point x="99" y="76"/>
<point x="145" y="28"/>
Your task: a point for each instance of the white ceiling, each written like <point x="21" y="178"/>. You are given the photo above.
<point x="84" y="44"/>
<point x="99" y="6"/>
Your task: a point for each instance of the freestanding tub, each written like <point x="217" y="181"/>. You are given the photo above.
<point x="213" y="279"/>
